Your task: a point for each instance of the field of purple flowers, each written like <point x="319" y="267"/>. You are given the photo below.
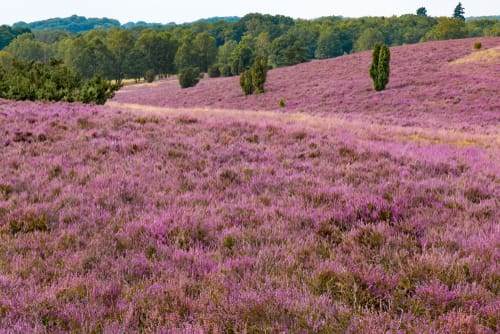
<point x="426" y="88"/>
<point x="128" y="218"/>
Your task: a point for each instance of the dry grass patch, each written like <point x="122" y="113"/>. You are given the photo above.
<point x="486" y="56"/>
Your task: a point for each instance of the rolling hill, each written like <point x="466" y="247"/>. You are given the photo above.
<point x="427" y="87"/>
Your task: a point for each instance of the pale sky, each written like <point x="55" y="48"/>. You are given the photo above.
<point x="180" y="11"/>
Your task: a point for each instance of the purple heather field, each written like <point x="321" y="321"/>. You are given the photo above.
<point x="203" y="211"/>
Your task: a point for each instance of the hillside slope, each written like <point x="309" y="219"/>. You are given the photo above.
<point x="424" y="82"/>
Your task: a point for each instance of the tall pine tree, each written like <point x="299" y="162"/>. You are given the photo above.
<point x="459" y="12"/>
<point x="380" y="67"/>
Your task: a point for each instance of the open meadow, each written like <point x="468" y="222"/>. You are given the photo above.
<point x="204" y="211"/>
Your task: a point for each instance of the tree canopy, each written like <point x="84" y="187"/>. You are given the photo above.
<point x="227" y="46"/>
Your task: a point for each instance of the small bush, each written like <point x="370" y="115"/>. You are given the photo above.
<point x="189" y="77"/>
<point x="149" y="76"/>
<point x="282" y="103"/>
<point x="259" y="74"/>
<point x="214" y="71"/>
<point x="29" y="224"/>
<point x="29" y="80"/>
<point x="229" y="242"/>
<point x="5" y="191"/>
<point x="97" y="90"/>
<point x="225" y="70"/>
<point x="478" y="45"/>
<point x="246" y="82"/>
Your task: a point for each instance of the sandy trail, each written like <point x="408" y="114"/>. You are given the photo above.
<point x="363" y="130"/>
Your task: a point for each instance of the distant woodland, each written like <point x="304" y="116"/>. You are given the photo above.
<point x="221" y="46"/>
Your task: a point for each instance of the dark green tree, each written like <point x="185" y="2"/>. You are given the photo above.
<point x="135" y="64"/>
<point x="189" y="77"/>
<point x="149" y="76"/>
<point x="26" y="47"/>
<point x="329" y="44"/>
<point x="246" y="82"/>
<point x="91" y="57"/>
<point x="120" y="43"/>
<point x="7" y="34"/>
<point x="241" y="58"/>
<point x="207" y="50"/>
<point x="186" y="55"/>
<point x="224" y="52"/>
<point x="287" y="50"/>
<point x="380" y="67"/>
<point x="368" y="38"/>
<point x="459" y="12"/>
<point x="96" y="90"/>
<point x="159" y="49"/>
<point x="214" y="70"/>
<point x="259" y="74"/>
<point x="422" y="11"/>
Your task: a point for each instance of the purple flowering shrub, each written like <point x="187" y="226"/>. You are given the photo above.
<point x="121" y="219"/>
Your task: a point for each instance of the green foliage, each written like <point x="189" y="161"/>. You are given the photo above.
<point x="97" y="90"/>
<point x="288" y="50"/>
<point x="229" y="242"/>
<point x="35" y="81"/>
<point x="135" y="64"/>
<point x="91" y="56"/>
<point x="253" y="79"/>
<point x="259" y="74"/>
<point x="281" y="103"/>
<point x="246" y="82"/>
<point x="6" y="59"/>
<point x="478" y="45"/>
<point x="225" y="70"/>
<point x="189" y="77"/>
<point x="74" y="24"/>
<point x="149" y="76"/>
<point x="225" y="50"/>
<point x="25" y="47"/>
<point x="159" y="49"/>
<point x="206" y="49"/>
<point x="214" y="71"/>
<point x="380" y="67"/>
<point x="241" y="58"/>
<point x="422" y="11"/>
<point x="116" y="54"/>
<point x="8" y="34"/>
<point x="368" y="38"/>
<point x="459" y="12"/>
<point x="329" y="44"/>
<point x="447" y="28"/>
<point x="119" y="43"/>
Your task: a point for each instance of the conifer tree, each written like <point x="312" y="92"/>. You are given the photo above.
<point x="246" y="82"/>
<point x="259" y="74"/>
<point x="380" y="67"/>
<point x="459" y="12"/>
<point x="422" y="11"/>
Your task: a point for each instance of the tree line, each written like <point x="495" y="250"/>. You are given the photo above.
<point x="226" y="47"/>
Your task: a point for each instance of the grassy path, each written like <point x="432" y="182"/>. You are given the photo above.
<point x="371" y="131"/>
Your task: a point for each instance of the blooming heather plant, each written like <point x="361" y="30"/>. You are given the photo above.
<point x="118" y="221"/>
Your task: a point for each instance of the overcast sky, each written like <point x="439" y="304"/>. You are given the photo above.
<point x="180" y="11"/>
